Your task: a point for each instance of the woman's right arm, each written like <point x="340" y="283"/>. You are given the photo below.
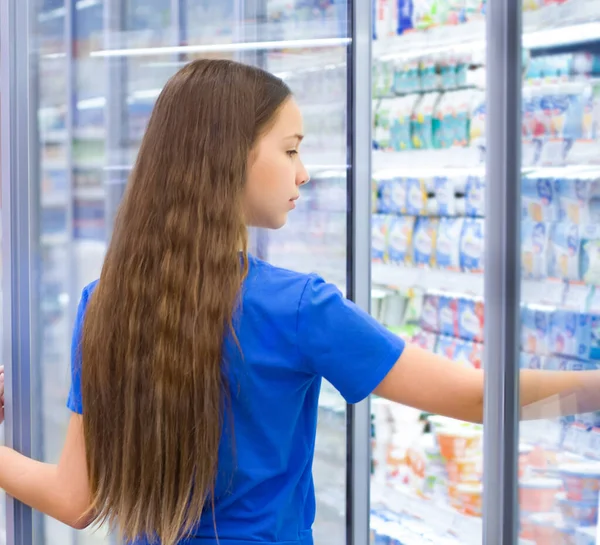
<point x="58" y="490"/>
<point x="434" y="384"/>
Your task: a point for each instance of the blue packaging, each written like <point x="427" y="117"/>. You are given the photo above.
<point x="531" y="361"/>
<point x="535" y="237"/>
<point x="392" y="194"/>
<point x="538" y="201"/>
<point x="445" y="197"/>
<point x="448" y="243"/>
<point x="424" y="241"/>
<point x="471" y="245"/>
<point x="475" y="197"/>
<point x="446" y="347"/>
<point x="448" y="316"/>
<point x="400" y="232"/>
<point x="565" y="251"/>
<point x="470" y="319"/>
<point x="416" y="197"/>
<point x="405" y="16"/>
<point x="564" y="332"/>
<point x="535" y="329"/>
<point x="589" y="265"/>
<point x="430" y="315"/>
<point x="379" y="233"/>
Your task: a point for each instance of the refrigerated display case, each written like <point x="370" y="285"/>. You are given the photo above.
<point x="443" y="128"/>
<point x="559" y="472"/>
<point x="97" y="67"/>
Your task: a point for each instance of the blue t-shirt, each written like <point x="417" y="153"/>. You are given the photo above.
<point x="294" y="330"/>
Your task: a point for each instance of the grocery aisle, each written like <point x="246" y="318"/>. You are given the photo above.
<point x="428" y="233"/>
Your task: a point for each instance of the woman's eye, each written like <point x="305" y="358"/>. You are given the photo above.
<point x="292" y="152"/>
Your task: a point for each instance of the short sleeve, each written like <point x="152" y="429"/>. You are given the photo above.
<point x="74" y="402"/>
<point x="342" y="343"/>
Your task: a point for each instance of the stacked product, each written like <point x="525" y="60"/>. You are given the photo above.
<point x="427" y="103"/>
<point x="428" y="221"/>
<point x="560" y="230"/>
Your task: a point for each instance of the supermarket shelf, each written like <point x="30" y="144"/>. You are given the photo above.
<point x="59" y="136"/>
<point x="402" y="277"/>
<point x="472" y="156"/>
<point x="549" y="291"/>
<point x="442" y="519"/>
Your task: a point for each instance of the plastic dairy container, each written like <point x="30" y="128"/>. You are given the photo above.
<point x="538" y="495"/>
<point x="578" y="513"/>
<point x="581" y="481"/>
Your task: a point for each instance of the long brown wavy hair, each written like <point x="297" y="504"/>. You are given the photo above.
<point x="153" y="380"/>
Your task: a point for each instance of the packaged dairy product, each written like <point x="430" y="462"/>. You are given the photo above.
<point x="477" y="117"/>
<point x="448" y="243"/>
<point x="430" y="316"/>
<point x="535" y="329"/>
<point x="400" y="232"/>
<point x="538" y="201"/>
<point x="407" y="78"/>
<point x="382" y="134"/>
<point x="392" y="193"/>
<point x="589" y="268"/>
<point x="383" y="78"/>
<point x="451" y="119"/>
<point x="579" y="199"/>
<point x="447" y="347"/>
<point x="426" y="340"/>
<point x="379" y="237"/>
<point x="428" y="74"/>
<point x="424" y="241"/>
<point x="535" y="237"/>
<point x="405" y="16"/>
<point x="531" y="361"/>
<point x="445" y="198"/>
<point x="416" y="196"/>
<point x="464" y="354"/>
<point x="422" y="121"/>
<point x="385" y="18"/>
<point x="470" y="319"/>
<point x="564" y="334"/>
<point x="448" y="315"/>
<point x="401" y="112"/>
<point x="471" y="245"/>
<point x="475" y="196"/>
<point x="565" y="251"/>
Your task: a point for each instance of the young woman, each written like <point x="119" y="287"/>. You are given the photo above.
<point x="195" y="367"/>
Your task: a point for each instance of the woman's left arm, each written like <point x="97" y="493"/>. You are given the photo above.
<point x="434" y="384"/>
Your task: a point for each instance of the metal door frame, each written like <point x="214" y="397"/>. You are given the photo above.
<point x="502" y="272"/>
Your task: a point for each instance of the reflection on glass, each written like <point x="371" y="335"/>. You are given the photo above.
<point x="559" y="459"/>
<point x="427" y="261"/>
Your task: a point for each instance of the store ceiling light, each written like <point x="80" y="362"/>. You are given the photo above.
<point x="222" y="48"/>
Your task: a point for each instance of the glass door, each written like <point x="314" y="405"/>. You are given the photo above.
<point x="428" y="229"/>
<point x="559" y="458"/>
<point x="97" y="68"/>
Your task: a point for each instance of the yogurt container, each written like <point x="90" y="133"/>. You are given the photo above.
<point x="546" y="528"/>
<point x="465" y="470"/>
<point x="578" y="513"/>
<point x="581" y="481"/>
<point x="459" y="443"/>
<point x="470" y="498"/>
<point x="538" y="495"/>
